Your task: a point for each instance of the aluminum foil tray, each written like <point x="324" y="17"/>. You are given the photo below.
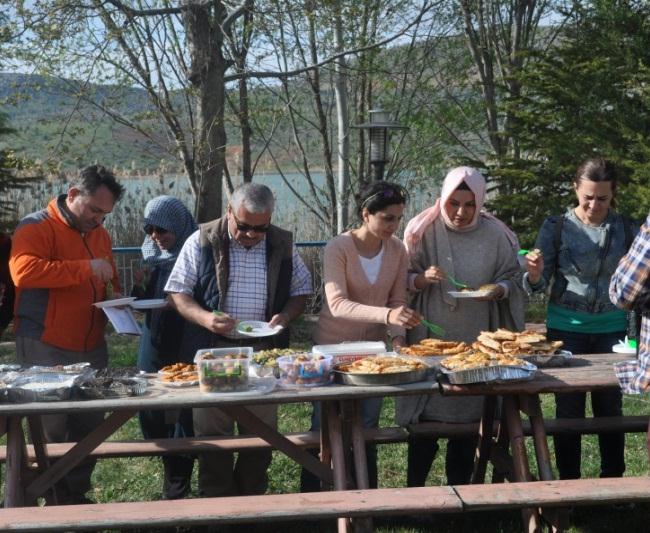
<point x="370" y="380"/>
<point x="48" y="387"/>
<point x="490" y="374"/>
<point x="119" y="388"/>
<point x="559" y="358"/>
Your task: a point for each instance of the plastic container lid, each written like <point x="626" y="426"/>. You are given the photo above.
<point x="351" y="348"/>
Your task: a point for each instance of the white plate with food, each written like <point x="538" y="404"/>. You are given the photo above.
<point x="115" y="303"/>
<point x="153" y="303"/>
<point x="256" y="328"/>
<point x="468" y="294"/>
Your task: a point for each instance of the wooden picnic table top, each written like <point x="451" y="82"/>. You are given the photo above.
<point x="585" y="372"/>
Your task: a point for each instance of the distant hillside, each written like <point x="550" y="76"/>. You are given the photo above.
<point x="51" y="123"/>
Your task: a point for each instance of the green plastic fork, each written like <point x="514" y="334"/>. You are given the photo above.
<point x="433" y="328"/>
<point x="457" y="283"/>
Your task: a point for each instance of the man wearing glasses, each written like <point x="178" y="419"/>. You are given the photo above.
<point x="238" y="267"/>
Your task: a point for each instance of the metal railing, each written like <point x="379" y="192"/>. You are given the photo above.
<point x="128" y="259"/>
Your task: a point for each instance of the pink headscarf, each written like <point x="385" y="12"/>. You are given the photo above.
<point x="476" y="182"/>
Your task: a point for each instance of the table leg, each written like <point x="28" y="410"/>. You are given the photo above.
<point x="257" y="426"/>
<point x="14" y="490"/>
<point x="330" y="410"/>
<point x="325" y="447"/>
<point x="37" y="434"/>
<point x="484" y="445"/>
<point x="557" y="518"/>
<point x="360" y="525"/>
<point x="78" y="453"/>
<point x="531" y="517"/>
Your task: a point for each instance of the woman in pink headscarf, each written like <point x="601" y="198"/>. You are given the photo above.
<point x="456" y="239"/>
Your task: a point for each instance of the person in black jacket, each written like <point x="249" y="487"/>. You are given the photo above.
<point x="7" y="289"/>
<point x="167" y="224"/>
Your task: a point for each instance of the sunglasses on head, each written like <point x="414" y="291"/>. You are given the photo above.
<point x="150" y="229"/>
<point x="245" y="228"/>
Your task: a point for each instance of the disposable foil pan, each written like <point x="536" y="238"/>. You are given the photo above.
<point x="490" y="373"/>
<point x="370" y="380"/>
<point x="48" y="387"/>
<point x="117" y="388"/>
<point x="560" y="358"/>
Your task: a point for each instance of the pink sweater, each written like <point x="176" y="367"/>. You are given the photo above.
<point x="354" y="309"/>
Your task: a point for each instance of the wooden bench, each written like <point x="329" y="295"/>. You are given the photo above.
<point x="553" y="426"/>
<point x="310" y="439"/>
<point x="326" y="505"/>
<point x="154" y="447"/>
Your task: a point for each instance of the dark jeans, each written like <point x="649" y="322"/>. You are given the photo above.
<point x="459" y="461"/>
<point x="603" y="403"/>
<point x="177" y="468"/>
<point x="370" y="411"/>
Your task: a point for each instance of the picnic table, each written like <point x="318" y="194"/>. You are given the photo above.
<point x="506" y="448"/>
<point x="341" y="430"/>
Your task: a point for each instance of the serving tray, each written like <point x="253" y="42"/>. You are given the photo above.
<point x="370" y="380"/>
<point x="486" y="374"/>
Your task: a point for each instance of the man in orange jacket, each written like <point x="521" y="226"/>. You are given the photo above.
<point x="61" y="263"/>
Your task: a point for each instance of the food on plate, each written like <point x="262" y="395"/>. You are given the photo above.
<point x="488" y="287"/>
<point x="428" y="347"/>
<point x="178" y="367"/>
<point x="534" y="254"/>
<point x="247" y="328"/>
<point x="479" y="360"/>
<point x="382" y="365"/>
<point x="223" y="373"/>
<point x="503" y="341"/>
<point x="270" y="357"/>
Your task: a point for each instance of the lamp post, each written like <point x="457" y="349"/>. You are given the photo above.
<point x="378" y="128"/>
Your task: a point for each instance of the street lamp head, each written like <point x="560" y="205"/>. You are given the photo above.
<point x="378" y="129"/>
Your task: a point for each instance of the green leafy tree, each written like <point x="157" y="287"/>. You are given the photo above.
<point x="589" y="97"/>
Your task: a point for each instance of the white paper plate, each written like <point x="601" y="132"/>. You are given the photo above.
<point x="256" y="386"/>
<point x="258" y="329"/>
<point x="468" y="294"/>
<point x="177" y="384"/>
<point x="154" y="303"/>
<point x="115" y="303"/>
<point x="623" y="348"/>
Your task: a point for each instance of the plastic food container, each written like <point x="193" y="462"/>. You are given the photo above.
<point x="223" y="369"/>
<point x="305" y="370"/>
<point x="347" y="352"/>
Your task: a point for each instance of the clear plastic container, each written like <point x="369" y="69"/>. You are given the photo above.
<point x="348" y="352"/>
<point x="223" y="369"/>
<point x="305" y="370"/>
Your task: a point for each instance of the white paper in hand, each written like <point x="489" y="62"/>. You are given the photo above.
<point x="123" y="320"/>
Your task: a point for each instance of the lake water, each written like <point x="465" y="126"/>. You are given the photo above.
<point x="124" y="223"/>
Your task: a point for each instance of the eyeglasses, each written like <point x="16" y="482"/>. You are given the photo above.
<point x="148" y="229"/>
<point x="246" y="228"/>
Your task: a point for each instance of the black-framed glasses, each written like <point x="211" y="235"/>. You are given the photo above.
<point x="149" y="229"/>
<point x="245" y="228"/>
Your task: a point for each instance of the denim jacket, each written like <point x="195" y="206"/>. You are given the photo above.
<point x="584" y="262"/>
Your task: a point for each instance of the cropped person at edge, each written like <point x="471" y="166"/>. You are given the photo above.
<point x="61" y="262"/>
<point x="247" y="269"/>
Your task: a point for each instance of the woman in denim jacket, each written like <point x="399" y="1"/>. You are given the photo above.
<point x="579" y="253"/>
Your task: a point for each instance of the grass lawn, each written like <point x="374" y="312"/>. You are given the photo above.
<point x="141" y="478"/>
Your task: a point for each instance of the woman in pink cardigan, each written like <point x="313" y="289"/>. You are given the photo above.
<point x="365" y="292"/>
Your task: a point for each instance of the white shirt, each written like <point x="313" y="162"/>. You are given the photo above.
<point x="371" y="266"/>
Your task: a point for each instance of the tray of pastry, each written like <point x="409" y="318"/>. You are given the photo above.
<point x="482" y="368"/>
<point x="381" y="370"/>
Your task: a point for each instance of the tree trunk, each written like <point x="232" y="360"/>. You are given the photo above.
<point x="207" y="69"/>
<point x="340" y="89"/>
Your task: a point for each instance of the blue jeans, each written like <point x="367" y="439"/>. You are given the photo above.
<point x="603" y="403"/>
<point x="370" y="411"/>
